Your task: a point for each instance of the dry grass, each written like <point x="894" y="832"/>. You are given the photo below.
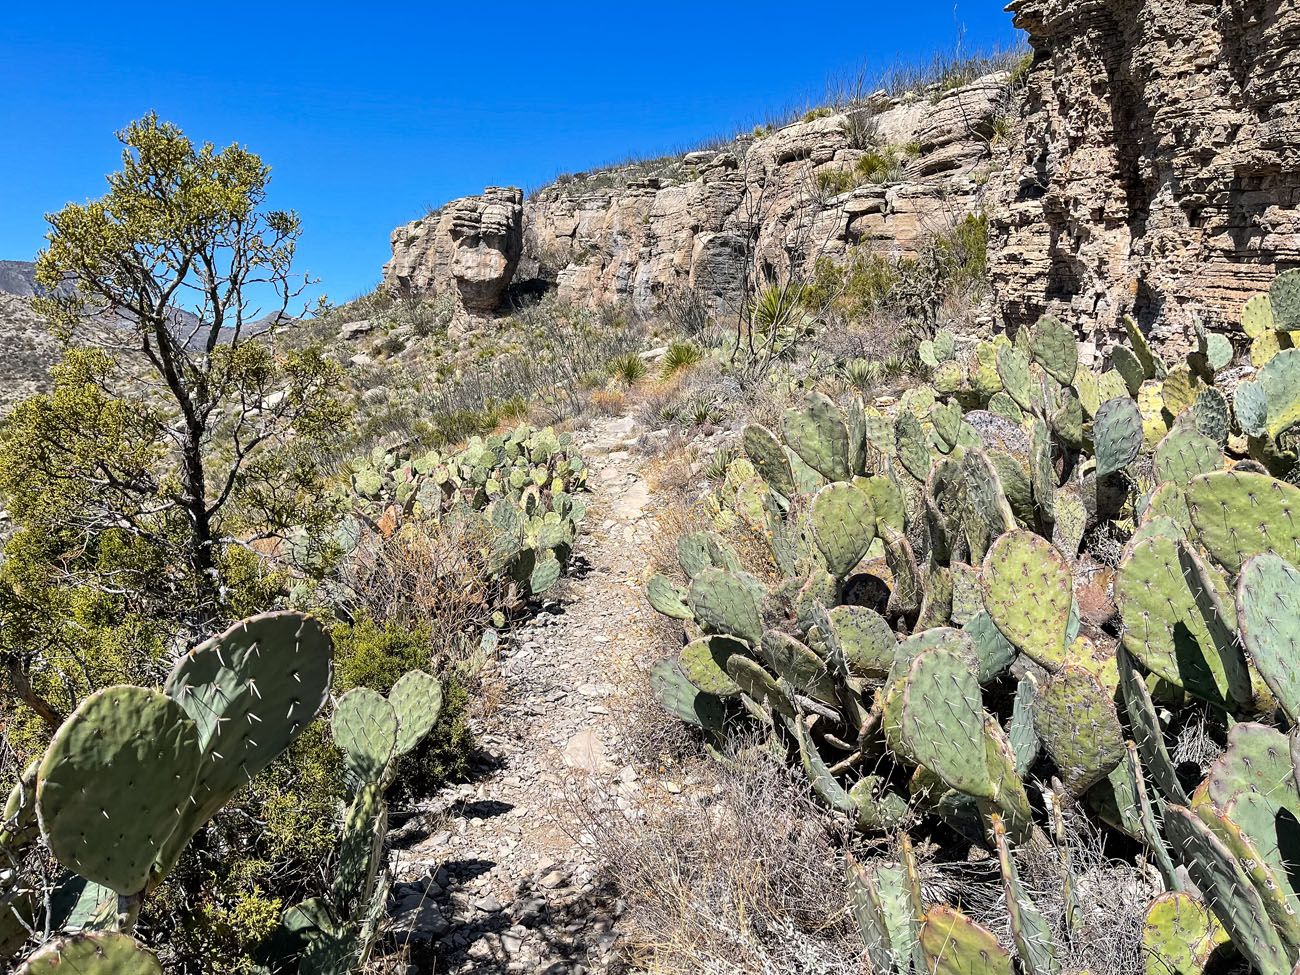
<point x="739" y="874"/>
<point x="671" y="472"/>
<point x="609" y="402"/>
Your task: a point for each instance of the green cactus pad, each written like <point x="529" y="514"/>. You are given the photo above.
<point x="817" y="434"/>
<point x="886" y="501"/>
<point x="1268" y="614"/>
<point x="946" y="418"/>
<point x="866" y="639"/>
<point x="668" y="599"/>
<point x="1070" y="525"/>
<point x="704" y="662"/>
<point x="907" y="588"/>
<point x="1175" y="621"/>
<point x="1147" y="732"/>
<point x="769" y="458"/>
<point x="1284" y="296"/>
<point x="723" y="603"/>
<point x="1033" y="936"/>
<point x="953" y="944"/>
<point x="1252" y="862"/>
<point x="1210" y="415"/>
<point x="1010" y="801"/>
<point x="1257" y="316"/>
<point x="697" y="551"/>
<point x="365" y="728"/>
<point x="416" y="699"/>
<point x="1125" y="362"/>
<point x="758" y="684"/>
<point x="844" y="526"/>
<point x="1117" y="434"/>
<point x="115" y="784"/>
<point x="546" y="572"/>
<point x="1269" y="835"/>
<point x="882" y="906"/>
<point x="1147" y="820"/>
<point x="987" y="502"/>
<point x="1076" y="721"/>
<point x="684" y="700"/>
<point x="18" y="825"/>
<point x="1250" y="406"/>
<point x="1264" y="348"/>
<point x="1179" y="390"/>
<point x="1185" y="453"/>
<point x="1053" y="346"/>
<point x="1180" y="935"/>
<point x="1152" y="367"/>
<point x="99" y="953"/>
<point x="1024" y="742"/>
<point x="1280" y="379"/>
<point x="1028" y="591"/>
<point x="796" y="664"/>
<point x="1257" y="759"/>
<point x="913" y="446"/>
<point x="1240" y="514"/>
<point x="943" y="720"/>
<point x="1004" y="406"/>
<point x="993" y="651"/>
<point x="1042" y="472"/>
<point x="251" y="691"/>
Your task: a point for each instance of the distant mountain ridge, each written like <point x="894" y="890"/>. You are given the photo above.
<point x="18" y="278"/>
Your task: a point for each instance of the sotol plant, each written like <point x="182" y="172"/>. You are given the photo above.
<point x="939" y="640"/>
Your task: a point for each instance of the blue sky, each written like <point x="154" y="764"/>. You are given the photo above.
<point x="370" y="113"/>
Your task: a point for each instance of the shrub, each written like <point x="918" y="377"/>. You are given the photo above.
<point x="629" y="368"/>
<point x="680" y="355"/>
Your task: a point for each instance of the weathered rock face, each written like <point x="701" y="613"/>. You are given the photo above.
<point x="706" y="220"/>
<point x="472" y="244"/>
<point x="1159" y="170"/>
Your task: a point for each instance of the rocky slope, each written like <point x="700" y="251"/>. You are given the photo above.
<point x="1158" y="171"/>
<point x="690" y="221"/>
<point x="1154" y="170"/>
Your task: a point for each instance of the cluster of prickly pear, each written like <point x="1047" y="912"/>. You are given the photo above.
<point x="334" y="935"/>
<point x="527" y="482"/>
<point x="994" y="579"/>
<point x="134" y="773"/>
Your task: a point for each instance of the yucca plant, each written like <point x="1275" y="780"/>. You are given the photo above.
<point x="629" y="369"/>
<point x="680" y="355"/>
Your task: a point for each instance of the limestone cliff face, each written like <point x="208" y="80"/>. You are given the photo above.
<point x="706" y="220"/>
<point x="1159" y="169"/>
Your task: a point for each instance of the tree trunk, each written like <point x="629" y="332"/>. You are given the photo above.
<point x="201" y="556"/>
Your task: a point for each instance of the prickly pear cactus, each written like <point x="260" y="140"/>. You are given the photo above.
<point x="99" y="953"/>
<point x="1238" y="515"/>
<point x="122" y="765"/>
<point x="1117" y="432"/>
<point x="1268" y="614"/>
<point x="1028" y="590"/>
<point x="953" y="944"/>
<point x="1180" y="935"/>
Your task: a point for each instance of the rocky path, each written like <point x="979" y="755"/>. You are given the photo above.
<point x="500" y="877"/>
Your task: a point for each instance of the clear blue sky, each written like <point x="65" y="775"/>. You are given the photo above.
<point x="369" y="113"/>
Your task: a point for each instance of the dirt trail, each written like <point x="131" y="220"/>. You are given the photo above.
<point x="499" y="878"/>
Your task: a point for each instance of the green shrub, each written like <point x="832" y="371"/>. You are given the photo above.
<point x="680" y="355"/>
<point x="833" y="182"/>
<point x="629" y="368"/>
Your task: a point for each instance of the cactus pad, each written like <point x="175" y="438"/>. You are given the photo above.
<point x="1117" y="434"/>
<point x="796" y="664"/>
<point x="1175" y="622"/>
<point x="1257" y="759"/>
<point x="115" y="784"/>
<point x="1076" y="721"/>
<point x="723" y="603"/>
<point x="758" y="684"/>
<point x="1268" y="614"/>
<point x="697" y="551"/>
<point x="1032" y="935"/>
<point x="1180" y="935"/>
<point x="1250" y="405"/>
<point x="769" y="458"/>
<point x="1280" y="379"/>
<point x="993" y="652"/>
<point x="1257" y="316"/>
<point x="913" y="446"/>
<point x="704" y="662"/>
<point x="1185" y="453"/>
<point x="1028" y="591"/>
<point x="1240" y="514"/>
<point x="683" y="700"/>
<point x="1284" y="297"/>
<point x="1210" y="415"/>
<point x="817" y="434"/>
<point x="250" y="691"/>
<point x="1054" y="348"/>
<point x="866" y="640"/>
<point x="1125" y="362"/>
<point x="943" y="720"/>
<point x="1147" y="732"/>
<point x="955" y="945"/>
<point x="416" y="700"/>
<point x="365" y="728"/>
<point x="881" y="904"/>
<point x="667" y="598"/>
<point x="844" y="526"/>
<point x="99" y="953"/>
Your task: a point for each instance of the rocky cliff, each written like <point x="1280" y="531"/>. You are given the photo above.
<point x="892" y="173"/>
<point x="1158" y="171"/>
<point x="1153" y="169"/>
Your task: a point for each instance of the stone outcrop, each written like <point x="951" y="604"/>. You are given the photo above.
<point x="1158" y="173"/>
<point x="756" y="206"/>
<point x="471" y="245"/>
